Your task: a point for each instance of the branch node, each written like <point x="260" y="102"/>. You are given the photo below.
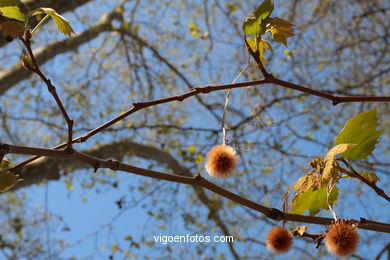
<point x="96" y="167"/>
<point x="69" y="150"/>
<point x="203" y="89"/>
<point x="82" y="139"/>
<point x="336" y="100"/>
<point x="198" y="177"/>
<point x="114" y="164"/>
<point x="275" y="214"/>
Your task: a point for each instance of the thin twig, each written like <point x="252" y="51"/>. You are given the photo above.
<point x="224" y="141"/>
<point x="329" y="188"/>
<point x="211" y="88"/>
<point x="34" y="67"/>
<point x="355" y="174"/>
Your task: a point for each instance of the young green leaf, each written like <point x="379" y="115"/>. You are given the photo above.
<point x="253" y="24"/>
<point x="63" y="25"/>
<point x="360" y="130"/>
<point x="313" y="200"/>
<point x="5" y="163"/>
<point x="14" y="9"/>
<point x="259" y="47"/>
<point x="280" y="33"/>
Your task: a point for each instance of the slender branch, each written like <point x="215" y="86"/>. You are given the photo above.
<point x="386" y="248"/>
<point x="211" y="88"/>
<point x="34" y="67"/>
<point x="355" y="174"/>
<point x="316" y="237"/>
<point x="256" y="57"/>
<point x="198" y="180"/>
<point x="336" y="99"/>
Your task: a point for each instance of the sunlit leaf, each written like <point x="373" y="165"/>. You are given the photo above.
<point x="193" y="28"/>
<point x="199" y="159"/>
<point x="63" y="25"/>
<point x="192" y="149"/>
<point x="114" y="248"/>
<point x="253" y="24"/>
<point x="262" y="46"/>
<point x="301" y="229"/>
<point x="5" y="163"/>
<point x="14" y="9"/>
<point x="231" y="7"/>
<point x="280" y="33"/>
<point x="360" y="130"/>
<point x="276" y="21"/>
<point x="313" y="200"/>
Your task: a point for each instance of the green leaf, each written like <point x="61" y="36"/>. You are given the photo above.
<point x="192" y="149"/>
<point x="360" y="130"/>
<point x="114" y="248"/>
<point x="14" y="9"/>
<point x="5" y="163"/>
<point x="329" y="170"/>
<point x="253" y="24"/>
<point x="313" y="200"/>
<point x="63" y="25"/>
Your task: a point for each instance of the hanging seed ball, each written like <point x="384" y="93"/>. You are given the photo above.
<point x="342" y="239"/>
<point x="221" y="161"/>
<point x="279" y="240"/>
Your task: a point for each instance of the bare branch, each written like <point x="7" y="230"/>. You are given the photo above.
<point x="197" y="180"/>
<point x="34" y="67"/>
<point x="372" y="185"/>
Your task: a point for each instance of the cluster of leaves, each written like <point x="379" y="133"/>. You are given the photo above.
<point x="356" y="141"/>
<point x="259" y="23"/>
<point x="14" y="19"/>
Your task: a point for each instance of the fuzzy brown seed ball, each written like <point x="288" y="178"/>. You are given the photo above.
<point x="279" y="240"/>
<point x="221" y="161"/>
<point x="342" y="239"/>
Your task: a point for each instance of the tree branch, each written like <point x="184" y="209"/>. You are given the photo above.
<point x="197" y="180"/>
<point x="372" y="185"/>
<point x="34" y="67"/>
